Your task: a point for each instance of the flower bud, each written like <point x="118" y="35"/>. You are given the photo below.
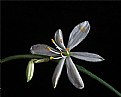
<point x="30" y="70"/>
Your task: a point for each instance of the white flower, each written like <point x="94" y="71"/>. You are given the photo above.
<point x="63" y="53"/>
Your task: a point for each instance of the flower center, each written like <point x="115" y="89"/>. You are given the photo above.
<point x="63" y="54"/>
<point x="66" y="53"/>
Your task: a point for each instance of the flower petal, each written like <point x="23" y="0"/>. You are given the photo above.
<point x="87" y="56"/>
<point x="59" y="38"/>
<point x="57" y="72"/>
<point x="78" y="34"/>
<point x="42" y="49"/>
<point x="73" y="74"/>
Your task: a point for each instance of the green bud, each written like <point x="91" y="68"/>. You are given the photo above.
<point x="30" y="70"/>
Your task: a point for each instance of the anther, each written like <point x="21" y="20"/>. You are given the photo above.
<point x="56" y="44"/>
<point x="51" y="58"/>
<point x="53" y="40"/>
<point x="61" y="54"/>
<point x="66" y="49"/>
<point x="48" y="48"/>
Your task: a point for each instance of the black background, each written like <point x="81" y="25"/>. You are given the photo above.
<point x="27" y="23"/>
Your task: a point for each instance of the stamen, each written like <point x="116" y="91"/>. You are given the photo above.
<point x="67" y="50"/>
<point x="62" y="55"/>
<point x="52" y="50"/>
<point x="53" y="41"/>
<point x="58" y="49"/>
<point x="51" y="58"/>
<point x="57" y="58"/>
<point x="48" y="48"/>
<point x="56" y="45"/>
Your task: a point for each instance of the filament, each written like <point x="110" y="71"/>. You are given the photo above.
<point x="52" y="51"/>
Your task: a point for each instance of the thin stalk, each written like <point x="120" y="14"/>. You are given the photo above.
<point x="24" y="56"/>
<point x="82" y="69"/>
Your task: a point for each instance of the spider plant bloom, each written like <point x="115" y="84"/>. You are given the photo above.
<point x="63" y="53"/>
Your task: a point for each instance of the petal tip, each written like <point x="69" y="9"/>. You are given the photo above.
<point x="81" y="87"/>
<point x="33" y="48"/>
<point x="102" y="59"/>
<point x="54" y="86"/>
<point x="86" y="21"/>
<point x="28" y="80"/>
<point x="59" y="30"/>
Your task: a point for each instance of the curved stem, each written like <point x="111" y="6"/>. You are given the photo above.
<point x="82" y="69"/>
<point x="24" y="56"/>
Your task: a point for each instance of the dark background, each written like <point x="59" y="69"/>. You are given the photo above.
<point x="27" y="23"/>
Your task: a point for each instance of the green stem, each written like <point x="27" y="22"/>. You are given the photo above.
<point x="24" y="56"/>
<point x="82" y="69"/>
